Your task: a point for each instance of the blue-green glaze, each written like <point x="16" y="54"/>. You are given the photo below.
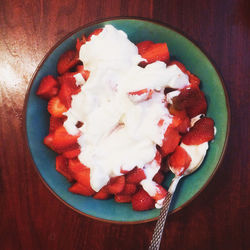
<point x="37" y="121"/>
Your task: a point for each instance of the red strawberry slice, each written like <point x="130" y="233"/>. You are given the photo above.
<point x="193" y="79"/>
<point x="122" y="198"/>
<point x="116" y="185"/>
<point x="135" y="176"/>
<point x="75" y="166"/>
<point x="202" y="131"/>
<point x="143" y="46"/>
<point x="48" y="87"/>
<point x="170" y="141"/>
<point x="83" y="177"/>
<point x="56" y="107"/>
<point x="54" y="123"/>
<point x="94" y="33"/>
<point x="103" y="194"/>
<point x="78" y="188"/>
<point x="142" y="201"/>
<point x="80" y="42"/>
<point x="129" y="189"/>
<point x="62" y="167"/>
<point x="155" y="52"/>
<point x="67" y="60"/>
<point x="192" y="100"/>
<point x="160" y="193"/>
<point x="159" y="177"/>
<point x="70" y="154"/>
<point x="179" y="64"/>
<point x="179" y="160"/>
<point x="49" y="141"/>
<point x="63" y="140"/>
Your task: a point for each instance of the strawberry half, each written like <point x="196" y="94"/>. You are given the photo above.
<point x="142" y="201"/>
<point x="62" y="139"/>
<point x="54" y="123"/>
<point x="70" y="154"/>
<point x="143" y="46"/>
<point x="159" y="177"/>
<point x="135" y="176"/>
<point x="48" y="87"/>
<point x="202" y="131"/>
<point x="55" y="107"/>
<point x="179" y="160"/>
<point x="155" y="52"/>
<point x="170" y="141"/>
<point x="78" y="188"/>
<point x="116" y="184"/>
<point x="62" y="167"/>
<point x="123" y="198"/>
<point x="102" y="194"/>
<point x="67" y="60"/>
<point x="128" y="189"/>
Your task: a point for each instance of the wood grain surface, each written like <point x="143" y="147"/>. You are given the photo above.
<point x="32" y="218"/>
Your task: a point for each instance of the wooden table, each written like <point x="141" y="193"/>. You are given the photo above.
<point x="32" y="218"/>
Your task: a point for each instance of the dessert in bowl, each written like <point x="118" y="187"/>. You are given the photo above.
<point x="111" y="123"/>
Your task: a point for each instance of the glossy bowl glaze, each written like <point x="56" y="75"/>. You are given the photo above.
<point x="182" y="49"/>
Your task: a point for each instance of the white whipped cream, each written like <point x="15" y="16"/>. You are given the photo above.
<point x="118" y="132"/>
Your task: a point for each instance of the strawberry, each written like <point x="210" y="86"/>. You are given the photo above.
<point x="135" y="176"/>
<point x="170" y="141"/>
<point x="192" y="100"/>
<point x="56" y="107"/>
<point x="63" y="140"/>
<point x="116" y="184"/>
<point x="123" y="198"/>
<point x="143" y="46"/>
<point x="55" y="122"/>
<point x="72" y="153"/>
<point x="179" y="160"/>
<point x="83" y="177"/>
<point x="129" y="189"/>
<point x="49" y="141"/>
<point x="160" y="193"/>
<point x="80" y="42"/>
<point x="179" y="64"/>
<point x="48" y="87"/>
<point x="85" y="73"/>
<point x="102" y="194"/>
<point x="202" y="131"/>
<point x="62" y="167"/>
<point x="159" y="177"/>
<point x="158" y="157"/>
<point x="193" y="79"/>
<point x="142" y="201"/>
<point x="78" y="188"/>
<point x="155" y="52"/>
<point x="67" y="60"/>
<point x="94" y="33"/>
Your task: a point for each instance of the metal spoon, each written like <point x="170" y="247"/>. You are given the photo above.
<point x="156" y="238"/>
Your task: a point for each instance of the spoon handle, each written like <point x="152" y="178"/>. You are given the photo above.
<point x="159" y="227"/>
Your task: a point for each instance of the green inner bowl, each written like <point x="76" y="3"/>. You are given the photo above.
<point x="37" y="122"/>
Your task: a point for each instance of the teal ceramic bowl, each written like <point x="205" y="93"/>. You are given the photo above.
<point x="184" y="50"/>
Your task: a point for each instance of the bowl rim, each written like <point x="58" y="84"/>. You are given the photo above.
<point x="98" y="21"/>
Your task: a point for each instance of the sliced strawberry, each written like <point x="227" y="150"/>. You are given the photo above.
<point x="160" y="193"/>
<point x="67" y="60"/>
<point x="48" y="87"/>
<point x="143" y="46"/>
<point x="179" y="160"/>
<point x="72" y="153"/>
<point x="62" y="167"/>
<point x="54" y="123"/>
<point x="102" y="194"/>
<point x="142" y="201"/>
<point x="123" y="198"/>
<point x="129" y="189"/>
<point x="192" y="100"/>
<point x="116" y="184"/>
<point x="83" y="177"/>
<point x="159" y="177"/>
<point x="155" y="52"/>
<point x="78" y="188"/>
<point x="80" y="42"/>
<point x="62" y="139"/>
<point x="56" y="107"/>
<point x="135" y="176"/>
<point x="49" y="141"/>
<point x="193" y="79"/>
<point x="202" y="131"/>
<point x="179" y="64"/>
<point x="85" y="73"/>
<point x="75" y="166"/>
<point x="170" y="141"/>
<point x="94" y="33"/>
